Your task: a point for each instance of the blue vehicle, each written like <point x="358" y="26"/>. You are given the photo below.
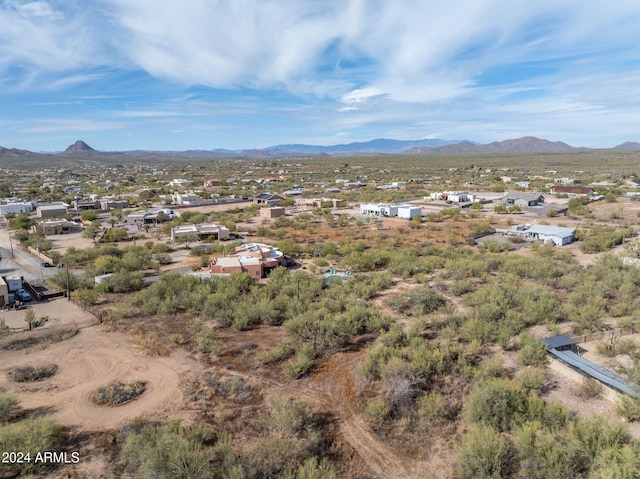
<point x="23" y="295"/>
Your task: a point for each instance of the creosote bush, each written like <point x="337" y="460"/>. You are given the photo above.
<point x="118" y="393"/>
<point x="28" y="374"/>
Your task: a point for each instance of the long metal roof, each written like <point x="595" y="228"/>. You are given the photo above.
<point x="606" y="377"/>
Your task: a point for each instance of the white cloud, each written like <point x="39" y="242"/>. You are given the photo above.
<point x="70" y="125"/>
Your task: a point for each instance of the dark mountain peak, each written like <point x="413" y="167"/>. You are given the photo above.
<point x="79" y="147"/>
<point x="527" y="143"/>
<point x="629" y="145"/>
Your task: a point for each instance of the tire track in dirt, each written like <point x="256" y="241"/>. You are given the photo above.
<point x="336" y="386"/>
<point x="93" y="359"/>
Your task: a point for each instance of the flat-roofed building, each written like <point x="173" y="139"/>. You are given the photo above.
<point x="56" y="227"/>
<point x="256" y="259"/>
<point x="274" y="212"/>
<point x="203" y="231"/>
<point x="16" y="208"/>
<point x="4" y="292"/>
<point x="380" y="209"/>
<point x="51" y="211"/>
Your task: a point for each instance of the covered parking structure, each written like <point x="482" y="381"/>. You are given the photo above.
<point x="565" y="350"/>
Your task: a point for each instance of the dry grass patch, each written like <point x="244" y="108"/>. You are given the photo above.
<point x="118" y="393"/>
<point x="30" y="374"/>
<point x="40" y="338"/>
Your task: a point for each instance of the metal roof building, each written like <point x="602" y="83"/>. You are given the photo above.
<point x="551" y="234"/>
<point x="564" y="348"/>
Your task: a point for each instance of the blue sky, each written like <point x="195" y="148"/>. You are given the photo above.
<point x="207" y="74"/>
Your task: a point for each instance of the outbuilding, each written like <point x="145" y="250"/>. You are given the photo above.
<point x="408" y="211"/>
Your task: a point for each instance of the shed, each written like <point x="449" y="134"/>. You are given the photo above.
<point x="408" y="212"/>
<point x="561" y="343"/>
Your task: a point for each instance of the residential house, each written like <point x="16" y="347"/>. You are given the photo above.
<point x="557" y="235"/>
<point x="379" y="209"/>
<point x="268" y="199"/>
<point x="523" y="199"/>
<point x="152" y="217"/>
<point x="202" y="231"/>
<point x="255" y="258"/>
<point x="16" y="208"/>
<point x="56" y="227"/>
<point x="573" y="190"/>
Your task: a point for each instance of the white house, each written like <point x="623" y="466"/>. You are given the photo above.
<point x="380" y="209"/>
<point x="16" y="208"/>
<point x="551" y="234"/>
<point x="203" y="231"/>
<point x="177" y="182"/>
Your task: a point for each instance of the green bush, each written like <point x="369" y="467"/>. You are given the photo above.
<point x="377" y="411"/>
<point x="531" y="380"/>
<point x="496" y="403"/>
<point x="8" y="407"/>
<point x="532" y="351"/>
<point x="173" y="451"/>
<point x="482" y="454"/>
<point x="33" y="436"/>
<point x="628" y="408"/>
<point x="301" y="363"/>
<point x="433" y="407"/>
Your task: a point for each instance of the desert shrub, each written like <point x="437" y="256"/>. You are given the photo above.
<point x="206" y="341"/>
<point x="461" y="286"/>
<point x="496" y="403"/>
<point x="28" y="374"/>
<point x="118" y="393"/>
<point x="596" y="434"/>
<point x="377" y="411"/>
<point x="301" y="363"/>
<point x="8" y="407"/>
<point x="275" y="354"/>
<point x="312" y="469"/>
<point x="589" y="388"/>
<point x="433" y="407"/>
<point x="491" y="368"/>
<point x="33" y="436"/>
<point x="628" y="408"/>
<point x="174" y="451"/>
<point x="419" y="301"/>
<point x="531" y="380"/>
<point x="532" y="351"/>
<point x="289" y="415"/>
<point x="542" y="453"/>
<point x="617" y="463"/>
<point x="482" y="454"/>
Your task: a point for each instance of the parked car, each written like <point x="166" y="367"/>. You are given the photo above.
<point x="46" y="264"/>
<point x="23" y="295"/>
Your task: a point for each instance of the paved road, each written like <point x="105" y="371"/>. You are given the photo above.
<point x="22" y="263"/>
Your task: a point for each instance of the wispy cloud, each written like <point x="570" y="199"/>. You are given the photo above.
<point x="70" y="125"/>
<point x="373" y="66"/>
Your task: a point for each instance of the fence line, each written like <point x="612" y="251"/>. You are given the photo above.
<point x="613" y="333"/>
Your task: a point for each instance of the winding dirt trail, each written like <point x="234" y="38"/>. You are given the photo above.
<point x="336" y="386"/>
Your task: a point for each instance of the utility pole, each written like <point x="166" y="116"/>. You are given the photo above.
<point x="39" y="259"/>
<point x="66" y="266"/>
<point x="11" y="244"/>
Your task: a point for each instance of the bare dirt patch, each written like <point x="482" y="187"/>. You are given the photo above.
<point x="90" y="360"/>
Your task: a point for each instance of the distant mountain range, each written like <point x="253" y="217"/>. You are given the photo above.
<point x="80" y="152"/>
